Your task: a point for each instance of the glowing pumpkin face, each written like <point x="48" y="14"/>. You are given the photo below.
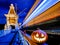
<point x="39" y="36"/>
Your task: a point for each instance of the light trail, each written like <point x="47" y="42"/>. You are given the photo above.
<point x="41" y="8"/>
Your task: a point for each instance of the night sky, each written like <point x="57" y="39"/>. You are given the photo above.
<point x="21" y="6"/>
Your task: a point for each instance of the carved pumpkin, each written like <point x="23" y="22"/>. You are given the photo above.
<point x="39" y="36"/>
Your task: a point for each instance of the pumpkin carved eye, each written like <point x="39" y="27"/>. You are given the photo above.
<point x="37" y="35"/>
<point x="42" y="35"/>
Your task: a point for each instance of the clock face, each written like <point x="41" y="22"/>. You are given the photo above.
<point x="39" y="36"/>
<point x="12" y="20"/>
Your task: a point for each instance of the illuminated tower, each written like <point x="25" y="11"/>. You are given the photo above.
<point x="11" y="18"/>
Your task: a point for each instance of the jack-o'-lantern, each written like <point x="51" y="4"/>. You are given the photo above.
<point x="39" y="36"/>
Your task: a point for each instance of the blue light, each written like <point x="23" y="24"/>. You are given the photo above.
<point x="41" y="8"/>
<point x="36" y="9"/>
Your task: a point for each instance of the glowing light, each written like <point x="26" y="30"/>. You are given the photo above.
<point x="41" y="8"/>
<point x="40" y="39"/>
<point x="11" y="18"/>
<point x="42" y="35"/>
<point x="38" y="7"/>
<point x="39" y="36"/>
<point x="59" y="0"/>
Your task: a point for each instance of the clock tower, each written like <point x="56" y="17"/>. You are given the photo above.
<point x="11" y="18"/>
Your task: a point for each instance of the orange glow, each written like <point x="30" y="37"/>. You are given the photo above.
<point x="31" y="10"/>
<point x="11" y="17"/>
<point x="49" y="14"/>
<point x="39" y="36"/>
<point x="12" y="20"/>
